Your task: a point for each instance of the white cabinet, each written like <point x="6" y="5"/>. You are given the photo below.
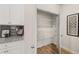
<point x="17" y="14"/>
<point x="12" y="48"/>
<point x="4" y="14"/>
<point x="12" y="14"/>
<point x="16" y="50"/>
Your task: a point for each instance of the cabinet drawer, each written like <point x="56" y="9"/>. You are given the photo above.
<point x="11" y="44"/>
<point x="14" y="50"/>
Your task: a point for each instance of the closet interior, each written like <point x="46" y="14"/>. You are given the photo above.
<point x="47" y="33"/>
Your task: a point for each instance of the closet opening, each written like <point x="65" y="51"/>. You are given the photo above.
<point x="47" y="32"/>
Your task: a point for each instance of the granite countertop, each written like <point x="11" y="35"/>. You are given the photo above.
<point x="11" y="39"/>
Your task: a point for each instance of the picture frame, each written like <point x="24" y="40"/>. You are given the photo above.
<point x="73" y="25"/>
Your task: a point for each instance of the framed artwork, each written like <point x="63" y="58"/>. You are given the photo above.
<point x="73" y="24"/>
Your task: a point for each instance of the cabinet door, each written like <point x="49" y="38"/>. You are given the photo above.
<point x="17" y="14"/>
<point x="12" y="47"/>
<point x="17" y="50"/>
<point x="14" y="50"/>
<point x="4" y="14"/>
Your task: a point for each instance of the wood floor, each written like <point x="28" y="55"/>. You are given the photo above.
<point x="48" y="49"/>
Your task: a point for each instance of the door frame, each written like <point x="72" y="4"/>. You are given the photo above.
<point x="58" y="27"/>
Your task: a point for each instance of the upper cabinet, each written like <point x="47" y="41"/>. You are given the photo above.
<point x="12" y="14"/>
<point x="4" y="14"/>
<point x="17" y="14"/>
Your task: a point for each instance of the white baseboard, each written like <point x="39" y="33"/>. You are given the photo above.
<point x="73" y="52"/>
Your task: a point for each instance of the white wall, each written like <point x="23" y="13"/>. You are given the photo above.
<point x="52" y="8"/>
<point x="46" y="28"/>
<point x="69" y="42"/>
<point x="30" y="24"/>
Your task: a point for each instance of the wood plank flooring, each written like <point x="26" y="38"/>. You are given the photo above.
<point x="48" y="49"/>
